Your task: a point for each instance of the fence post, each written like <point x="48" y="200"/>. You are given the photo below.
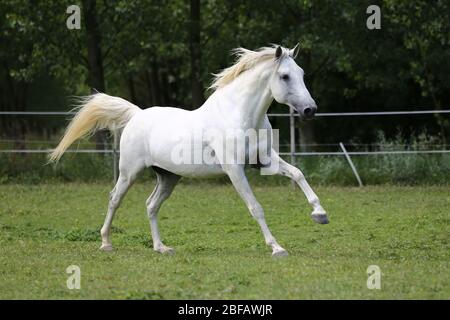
<point x="292" y="134"/>
<point x="115" y="156"/>
<point x="350" y="162"/>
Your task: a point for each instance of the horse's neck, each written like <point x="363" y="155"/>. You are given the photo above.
<point x="248" y="97"/>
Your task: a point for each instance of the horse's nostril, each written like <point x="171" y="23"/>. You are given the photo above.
<point x="308" y="111"/>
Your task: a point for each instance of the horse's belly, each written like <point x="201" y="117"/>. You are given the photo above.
<point x="192" y="170"/>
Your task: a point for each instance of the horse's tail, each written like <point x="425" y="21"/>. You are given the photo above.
<point x="97" y="111"/>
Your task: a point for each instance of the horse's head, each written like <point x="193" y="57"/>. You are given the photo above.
<point x="287" y="84"/>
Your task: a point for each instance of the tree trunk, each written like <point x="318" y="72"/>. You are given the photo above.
<point x="132" y="89"/>
<point x="153" y="86"/>
<point x="172" y="84"/>
<point x="150" y="90"/>
<point x="16" y="100"/>
<point x="165" y="87"/>
<point x="194" y="45"/>
<point x="306" y="128"/>
<point x="96" y="78"/>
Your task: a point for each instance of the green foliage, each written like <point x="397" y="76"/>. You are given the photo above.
<point x="348" y="67"/>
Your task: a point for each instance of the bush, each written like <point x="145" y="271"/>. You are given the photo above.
<point x="404" y="169"/>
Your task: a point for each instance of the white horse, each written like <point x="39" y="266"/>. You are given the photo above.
<point x="242" y="95"/>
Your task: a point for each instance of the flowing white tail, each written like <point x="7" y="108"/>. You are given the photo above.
<point x="97" y="111"/>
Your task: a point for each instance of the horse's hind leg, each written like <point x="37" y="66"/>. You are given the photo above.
<point x="166" y="182"/>
<point x="124" y="182"/>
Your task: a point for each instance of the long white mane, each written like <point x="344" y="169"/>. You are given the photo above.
<point x="246" y="59"/>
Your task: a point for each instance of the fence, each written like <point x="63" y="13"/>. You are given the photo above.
<point x="292" y="153"/>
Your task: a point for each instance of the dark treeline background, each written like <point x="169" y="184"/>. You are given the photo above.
<point x="161" y="52"/>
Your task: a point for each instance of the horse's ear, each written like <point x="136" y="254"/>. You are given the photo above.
<point x="278" y="52"/>
<point x="294" y="52"/>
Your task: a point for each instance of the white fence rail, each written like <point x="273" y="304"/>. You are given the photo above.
<point x="292" y="153"/>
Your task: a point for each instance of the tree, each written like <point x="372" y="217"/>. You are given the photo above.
<point x="96" y="77"/>
<point x="195" y="50"/>
<point x="94" y="46"/>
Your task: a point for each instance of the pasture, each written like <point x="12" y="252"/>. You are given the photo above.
<point x="220" y="252"/>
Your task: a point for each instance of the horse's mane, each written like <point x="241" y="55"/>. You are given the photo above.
<point x="246" y="59"/>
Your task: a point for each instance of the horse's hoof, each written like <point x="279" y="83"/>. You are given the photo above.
<point x="106" y="247"/>
<point x="165" y="250"/>
<point x="279" y="253"/>
<point x="320" y="218"/>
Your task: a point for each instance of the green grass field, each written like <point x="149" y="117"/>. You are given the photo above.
<point x="220" y="252"/>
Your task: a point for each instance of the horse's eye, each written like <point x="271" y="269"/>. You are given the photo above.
<point x="285" y="77"/>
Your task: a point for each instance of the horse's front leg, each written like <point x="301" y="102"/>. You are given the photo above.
<point x="318" y="215"/>
<point x="239" y="180"/>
